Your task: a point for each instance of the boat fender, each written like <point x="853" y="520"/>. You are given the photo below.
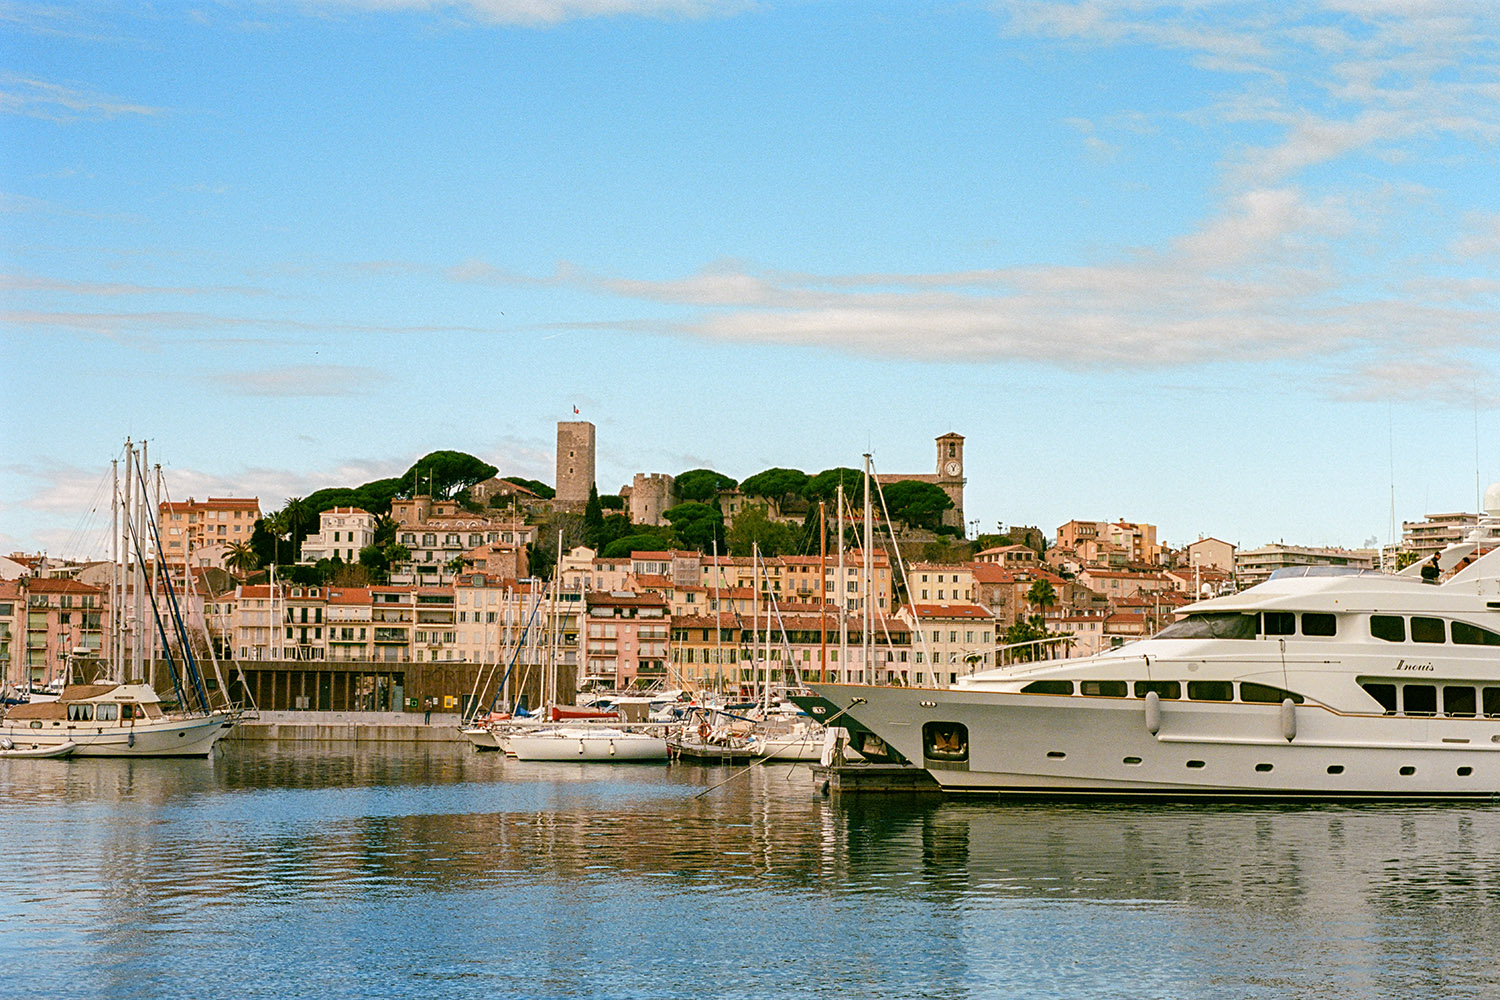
<point x="1288" y="719"/>
<point x="611" y="748"/>
<point x="130" y="740"/>
<point x="6" y="744"/>
<point x="1153" y="712"/>
<point x="580" y="748"/>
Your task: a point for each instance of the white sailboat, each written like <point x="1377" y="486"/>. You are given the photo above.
<point x="122" y="715"/>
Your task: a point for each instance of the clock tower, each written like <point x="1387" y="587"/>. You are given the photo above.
<point x="950" y="476"/>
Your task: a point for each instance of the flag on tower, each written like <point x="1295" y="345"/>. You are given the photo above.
<point x="575" y="410"/>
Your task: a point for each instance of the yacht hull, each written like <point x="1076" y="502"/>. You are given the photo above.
<point x="1056" y="746"/>
<point x="586" y="747"/>
<point x="191" y="737"/>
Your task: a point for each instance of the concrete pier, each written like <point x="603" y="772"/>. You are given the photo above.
<point x="354" y="727"/>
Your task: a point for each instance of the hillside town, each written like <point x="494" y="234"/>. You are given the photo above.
<point x="411" y="608"/>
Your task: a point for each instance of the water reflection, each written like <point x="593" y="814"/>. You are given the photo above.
<point x="357" y="871"/>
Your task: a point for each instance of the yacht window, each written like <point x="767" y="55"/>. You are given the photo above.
<point x="1319" y="623"/>
<point x="80" y="713"/>
<point x="1427" y="630"/>
<point x="1211" y="690"/>
<point x="1472" y="635"/>
<point x="1215" y="626"/>
<point x="1109" y="689"/>
<point x="1491" y="702"/>
<point x="1280" y="623"/>
<point x="947" y="741"/>
<point x="1383" y="693"/>
<point x="1048" y="687"/>
<point x="1419" y="699"/>
<point x="107" y="713"/>
<point x="1264" y="694"/>
<point x="1391" y="628"/>
<point x="1458" y="700"/>
<point x="1163" y="689"/>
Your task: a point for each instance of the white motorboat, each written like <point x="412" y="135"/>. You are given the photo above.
<point x="1318" y="683"/>
<point x="585" y="743"/>
<point x="114" y="720"/>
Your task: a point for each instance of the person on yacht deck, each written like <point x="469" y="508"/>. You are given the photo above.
<point x="1431" y="570"/>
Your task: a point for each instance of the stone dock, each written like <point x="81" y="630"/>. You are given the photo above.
<point x="351" y="727"/>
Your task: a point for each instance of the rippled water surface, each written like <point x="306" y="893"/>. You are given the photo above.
<point x="333" y="870"/>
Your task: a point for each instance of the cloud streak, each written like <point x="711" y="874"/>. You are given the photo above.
<point x="545" y="13"/>
<point x="59" y="103"/>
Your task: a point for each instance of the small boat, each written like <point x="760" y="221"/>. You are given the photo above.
<point x="711" y="750"/>
<point x="9" y="748"/>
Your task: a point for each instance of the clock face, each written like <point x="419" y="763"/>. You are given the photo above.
<point x="951" y="468"/>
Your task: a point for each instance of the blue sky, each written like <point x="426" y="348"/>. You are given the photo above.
<point x="1229" y="268"/>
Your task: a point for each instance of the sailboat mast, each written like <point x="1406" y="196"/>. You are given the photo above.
<point x="116" y="598"/>
<point x="867" y="638"/>
<point x="823" y="591"/>
<point x="838" y="596"/>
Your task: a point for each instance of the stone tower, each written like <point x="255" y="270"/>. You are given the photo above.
<point x="950" y="476"/>
<point x="650" y="497"/>
<point x="575" y="464"/>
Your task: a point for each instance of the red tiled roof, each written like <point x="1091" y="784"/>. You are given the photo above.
<point x="974" y="611"/>
<point x="51" y="585"/>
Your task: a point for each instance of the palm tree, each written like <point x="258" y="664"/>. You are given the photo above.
<point x="241" y="558"/>
<point x="1042" y="595"/>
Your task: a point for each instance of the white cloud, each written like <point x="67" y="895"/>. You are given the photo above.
<point x="56" y="102"/>
<point x="541" y="13"/>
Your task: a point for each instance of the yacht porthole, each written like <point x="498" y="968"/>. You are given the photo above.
<point x="1465" y="771"/>
<point x="1056" y="754"/>
<point x="1195" y="763"/>
<point x="1335" y="768"/>
<point x="1263" y="767"/>
<point x="1132" y="761"/>
<point x="1408" y="771"/>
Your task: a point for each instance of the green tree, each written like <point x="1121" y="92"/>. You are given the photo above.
<point x="775" y="484"/>
<point x="593" y="519"/>
<point x="1026" y="630"/>
<point x="375" y="561"/>
<point x="1042" y="595"/>
<point x="444" y="473"/>
<point x="539" y="488"/>
<point x="702" y="485"/>
<point x="753" y="528"/>
<point x="918" y="504"/>
<point x="644" y="542"/>
<point x="612" y="501"/>
<point x="241" y="558"/>
<point x="825" y="485"/>
<point x="698" y="525"/>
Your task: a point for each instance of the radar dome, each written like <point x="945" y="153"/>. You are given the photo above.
<point x="1492" y="500"/>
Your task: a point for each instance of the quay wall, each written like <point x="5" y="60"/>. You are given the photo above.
<point x="350" y="727"/>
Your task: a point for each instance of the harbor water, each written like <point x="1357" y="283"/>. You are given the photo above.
<point x="335" y="870"/>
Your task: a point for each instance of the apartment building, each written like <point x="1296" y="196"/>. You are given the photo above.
<point x="948" y="640"/>
<point x="626" y="639"/>
<point x="940" y="583"/>
<point x="342" y="533"/>
<point x="1256" y="565"/>
<point x="200" y="532"/>
<point x="64" y="619"/>
<point x="439" y="534"/>
<point x="1435" y="532"/>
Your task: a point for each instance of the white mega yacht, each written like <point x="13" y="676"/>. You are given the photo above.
<point x="1318" y="683"/>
